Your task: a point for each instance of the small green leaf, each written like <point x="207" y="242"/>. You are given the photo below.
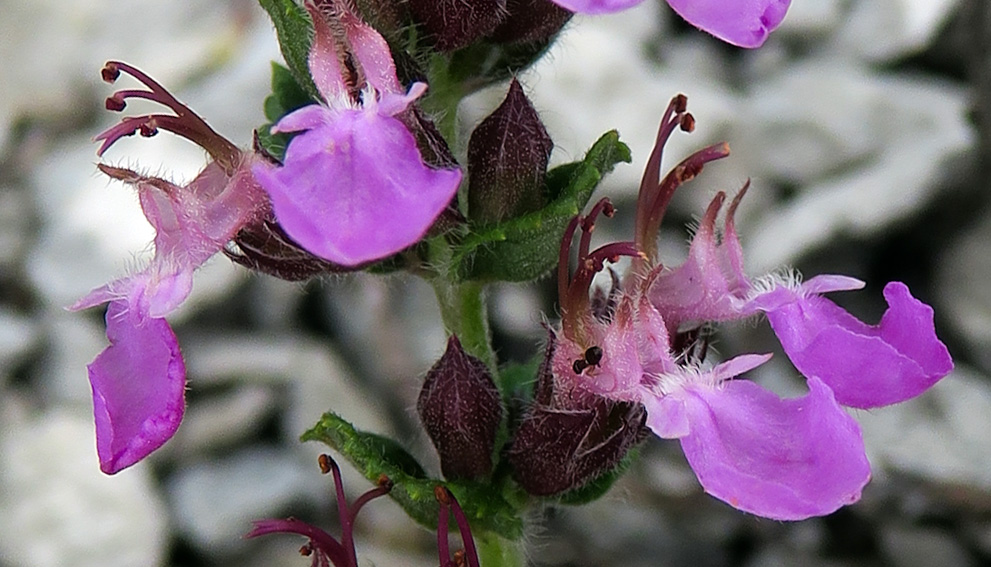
<point x="527" y="247"/>
<point x="293" y="27"/>
<point x="374" y="455"/>
<point x="287" y="94"/>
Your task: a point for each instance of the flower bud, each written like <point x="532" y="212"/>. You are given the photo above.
<point x="507" y="161"/>
<point x="453" y="24"/>
<point x="530" y="21"/>
<point x="461" y="410"/>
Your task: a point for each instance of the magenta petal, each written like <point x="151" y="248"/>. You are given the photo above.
<point x="866" y="366"/>
<point x="780" y="459"/>
<point x="596" y="6"/>
<point x="356" y="189"/>
<point x="138" y="387"/>
<point x="745" y="23"/>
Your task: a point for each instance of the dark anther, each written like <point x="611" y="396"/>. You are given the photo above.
<point x="110" y="72"/>
<point x="608" y="209"/>
<point x="115" y="104"/>
<point x="680" y="103"/>
<point x="384" y="482"/>
<point x="459" y="558"/>
<point x="306" y="550"/>
<point x="148" y="129"/>
<point x="593" y="355"/>
<point x="687" y="123"/>
<point x="579" y="365"/>
<point x="324" y="461"/>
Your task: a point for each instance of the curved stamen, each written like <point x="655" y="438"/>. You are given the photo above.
<point x="383" y="488"/>
<point x="656" y="207"/>
<point x="185" y="123"/>
<point x="652" y="173"/>
<point x="605" y="207"/>
<point x="564" y="262"/>
<point x="459" y="517"/>
<point x="577" y="299"/>
<point x="327" y="464"/>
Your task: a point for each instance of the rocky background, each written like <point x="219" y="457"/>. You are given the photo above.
<point x="865" y="126"/>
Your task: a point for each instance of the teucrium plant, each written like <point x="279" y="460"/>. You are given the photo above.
<point x="356" y="170"/>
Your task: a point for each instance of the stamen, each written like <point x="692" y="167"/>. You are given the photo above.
<point x="465" y="529"/>
<point x="443" y="547"/>
<point x="650" y="218"/>
<point x="185" y="123"/>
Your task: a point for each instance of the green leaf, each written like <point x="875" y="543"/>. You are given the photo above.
<point x="597" y="488"/>
<point x="293" y="28"/>
<point x="374" y="455"/>
<point x="287" y="94"/>
<point x="527" y="247"/>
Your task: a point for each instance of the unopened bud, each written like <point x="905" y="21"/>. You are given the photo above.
<point x="461" y="409"/>
<point x="530" y="21"/>
<point x="507" y="161"/>
<point x="453" y="24"/>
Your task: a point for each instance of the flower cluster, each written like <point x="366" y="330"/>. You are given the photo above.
<point x="783" y="459"/>
<point x="354" y="188"/>
<point x="353" y="173"/>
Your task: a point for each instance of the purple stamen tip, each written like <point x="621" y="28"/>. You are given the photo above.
<point x="110" y="72"/>
<point x="115" y="104"/>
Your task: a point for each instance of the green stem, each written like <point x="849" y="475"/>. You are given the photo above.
<point x="465" y="314"/>
<point x="493" y="551"/>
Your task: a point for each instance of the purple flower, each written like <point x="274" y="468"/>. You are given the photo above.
<point x="745" y="23"/>
<point x="138" y="381"/>
<point x="354" y="187"/>
<point x="782" y="459"/>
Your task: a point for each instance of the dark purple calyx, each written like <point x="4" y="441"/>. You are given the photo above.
<point x="568" y="437"/>
<point x="530" y="21"/>
<point x="453" y="24"/>
<point x="461" y="409"/>
<point x="507" y="161"/>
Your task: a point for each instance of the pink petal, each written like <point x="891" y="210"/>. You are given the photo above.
<point x="306" y="118"/>
<point x="138" y="387"/>
<point x="324" y="60"/>
<point x="710" y="285"/>
<point x="745" y="23"/>
<point x="866" y="366"/>
<point x="781" y="459"/>
<point x="666" y="399"/>
<point x="596" y="6"/>
<point x="356" y="189"/>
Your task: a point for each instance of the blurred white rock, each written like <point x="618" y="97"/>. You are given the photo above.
<point x="940" y="436"/>
<point x="214" y="502"/>
<point x="964" y="281"/>
<point x="866" y="150"/>
<point x="880" y="30"/>
<point x="154" y="34"/>
<point x="58" y="510"/>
